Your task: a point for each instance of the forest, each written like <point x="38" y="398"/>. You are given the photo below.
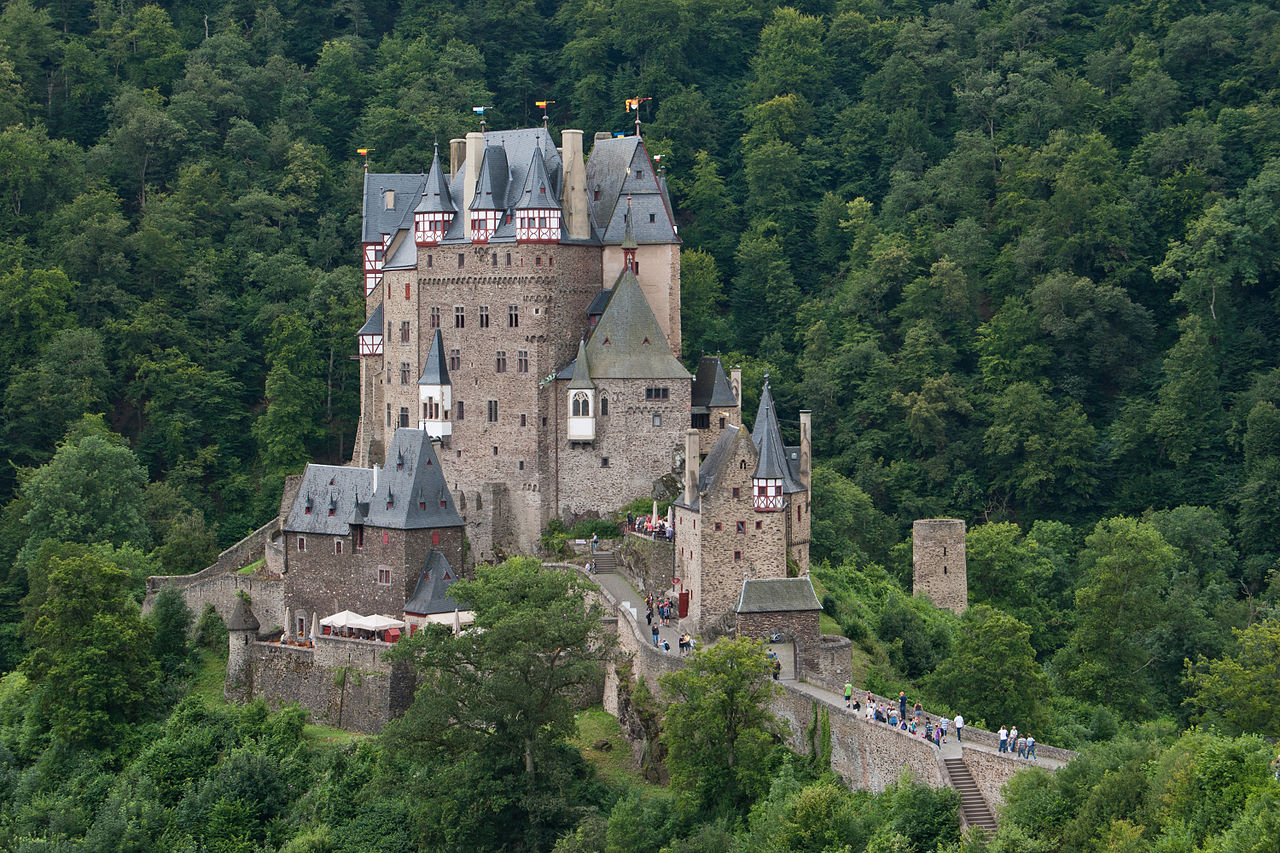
<point x="1021" y="258"/>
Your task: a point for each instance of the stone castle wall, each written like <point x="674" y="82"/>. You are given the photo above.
<point x="820" y="659"/>
<point x="343" y="683"/>
<point x="938" y="567"/>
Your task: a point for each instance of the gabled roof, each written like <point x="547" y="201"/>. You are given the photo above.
<point x="411" y="492"/>
<point x="774" y="463"/>
<point x="627" y="342"/>
<point x="538" y="192"/>
<point x="581" y="370"/>
<point x="402" y="254"/>
<point x="777" y="595"/>
<point x="598" y="303"/>
<point x="242" y="618"/>
<point x="373" y="325"/>
<point x="711" y="386"/>
<point x="435" y="196"/>
<point x="431" y="595"/>
<point x="436" y="372"/>
<point x="714" y="467"/>
<point x="378" y="220"/>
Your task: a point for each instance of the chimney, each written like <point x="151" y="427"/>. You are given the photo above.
<point x="475" y="153"/>
<point x="375" y="477"/>
<point x="603" y="134"/>
<point x="573" y="197"/>
<point x="690" y="466"/>
<point x="457" y="155"/>
<point x="806" y="451"/>
<point x="735" y="382"/>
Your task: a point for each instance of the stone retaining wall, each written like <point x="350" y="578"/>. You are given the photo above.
<point x="646" y="563"/>
<point x="990" y="772"/>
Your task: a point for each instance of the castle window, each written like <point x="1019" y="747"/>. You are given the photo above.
<point x="423" y="505"/>
<point x="944" y="550"/>
<point x="484" y="315"/>
<point x="386" y="537"/>
<point x="522" y="362"/>
<point x="404" y="373"/>
<point x="719" y="527"/>
<point x="337" y="546"/>
<point x="500" y="362"/>
<point x="737" y="556"/>
<point x="404" y="331"/>
<point x="657" y="419"/>
<point x="404" y="417"/>
<point x="513" y="316"/>
<point x="462" y="259"/>
<point x="742" y="527"/>
<point x="388" y="414"/>
<point x="639" y="173"/>
<point x="759" y="524"/>
<point x="508" y="259"/>
<point x="389" y="199"/>
<point x="435" y="537"/>
<point x="461" y="413"/>
<point x="604" y="461"/>
<point x="520" y="465"/>
<point x="537" y="262"/>
<point x="604" y="405"/>
<point x="302" y="543"/>
<point x="798" y="511"/>
<point x="406" y="290"/>
<point x="635" y="267"/>
<point x="736" y="492"/>
<point x="700" y="420"/>
<point x="455" y="359"/>
<point x="493" y="411"/>
<point x="596" y="196"/>
<point x="459" y="317"/>
<point x="657" y="393"/>
<point x="384" y="577"/>
<point x="742" y="465"/>
<point x="495" y="260"/>
<point x="429" y="262"/>
<point x="653" y="217"/>
<point x="306" y="510"/>
<point x="495" y="450"/>
<point x="524" y="419"/>
<point x="581" y="405"/>
<point x="359" y="535"/>
<point x="332" y="512"/>
<point x="722" y="422"/>
<point x="435" y="317"/>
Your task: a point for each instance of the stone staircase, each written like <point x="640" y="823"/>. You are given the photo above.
<point x="973" y="807"/>
<point x="606" y="562"/>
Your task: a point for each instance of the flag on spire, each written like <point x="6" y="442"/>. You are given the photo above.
<point x="479" y="110"/>
<point x="634" y="103"/>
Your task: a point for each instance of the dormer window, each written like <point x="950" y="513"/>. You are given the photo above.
<point x="581" y="405"/>
<point x="389" y="199"/>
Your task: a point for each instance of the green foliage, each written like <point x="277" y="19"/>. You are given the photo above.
<point x="1233" y="691"/>
<point x="719" y="734"/>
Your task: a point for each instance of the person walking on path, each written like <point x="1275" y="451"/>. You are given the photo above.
<point x="1022" y="747"/>
<point x="655" y="635"/>
<point x="1013" y="739"/>
<point x="595" y="542"/>
<point x="943" y="725"/>
<point x="959" y="727"/>
<point x="919" y="709"/>
<point x="902" y="704"/>
<point x="1004" y="739"/>
<point x="848" y="694"/>
<point x="648" y="615"/>
<point x="1031" y="748"/>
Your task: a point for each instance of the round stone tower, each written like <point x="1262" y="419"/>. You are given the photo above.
<point x="938" y="563"/>
<point x="242" y="629"/>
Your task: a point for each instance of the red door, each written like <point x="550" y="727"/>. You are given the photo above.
<point x="684" y="604"/>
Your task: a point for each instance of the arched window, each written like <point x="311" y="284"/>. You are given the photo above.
<point x="604" y="406"/>
<point x="581" y="405"/>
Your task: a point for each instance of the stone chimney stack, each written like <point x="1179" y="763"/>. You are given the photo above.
<point x="806" y="451"/>
<point x="690" y="466"/>
<point x="475" y="153"/>
<point x="573" y="197"/>
<point x="457" y="155"/>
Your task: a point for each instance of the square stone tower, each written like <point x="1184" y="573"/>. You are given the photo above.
<point x="938" y="562"/>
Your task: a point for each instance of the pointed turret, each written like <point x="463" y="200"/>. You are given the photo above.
<point x="489" y="203"/>
<point x="629" y="244"/>
<point x="582" y="402"/>
<point x="435" y="392"/>
<point x="537" y="209"/>
<point x="772" y="478"/>
<point x="434" y="214"/>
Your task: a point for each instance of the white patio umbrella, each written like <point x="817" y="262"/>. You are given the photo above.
<point x="340" y="620"/>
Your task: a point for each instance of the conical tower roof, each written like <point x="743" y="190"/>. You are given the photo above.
<point x="581" y="370"/>
<point x="435" y="372"/>
<point x="627" y="342"/>
<point x="767" y="436"/>
<point x="538" y="191"/>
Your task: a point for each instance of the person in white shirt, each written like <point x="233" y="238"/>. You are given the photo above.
<point x="959" y="727"/>
<point x="1004" y="739"/>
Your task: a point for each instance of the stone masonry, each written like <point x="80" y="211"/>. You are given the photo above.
<point x="938" y="562"/>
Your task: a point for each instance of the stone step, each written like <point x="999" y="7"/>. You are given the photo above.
<point x="973" y="805"/>
<point x="606" y="561"/>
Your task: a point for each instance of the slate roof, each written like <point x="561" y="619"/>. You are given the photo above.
<point x="402" y="254"/>
<point x="711" y="386"/>
<point x="581" y="369"/>
<point x="373" y="325"/>
<point x="377" y="219"/>
<point x="598" y="303"/>
<point x="774" y="461"/>
<point x="435" y="196"/>
<point x="491" y="190"/>
<point x="431" y="594"/>
<point x="777" y="595"/>
<point x="627" y="342"/>
<point x="713" y="466"/>
<point x="411" y="492"/>
<point x="611" y="169"/>
<point x="538" y="192"/>
<point x="242" y="618"/>
<point x="412" y="483"/>
<point x="436" y="371"/>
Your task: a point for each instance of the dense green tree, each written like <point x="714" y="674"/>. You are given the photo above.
<point x="718" y="730"/>
<point x="91" y="651"/>
<point x="1233" y="691"/>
